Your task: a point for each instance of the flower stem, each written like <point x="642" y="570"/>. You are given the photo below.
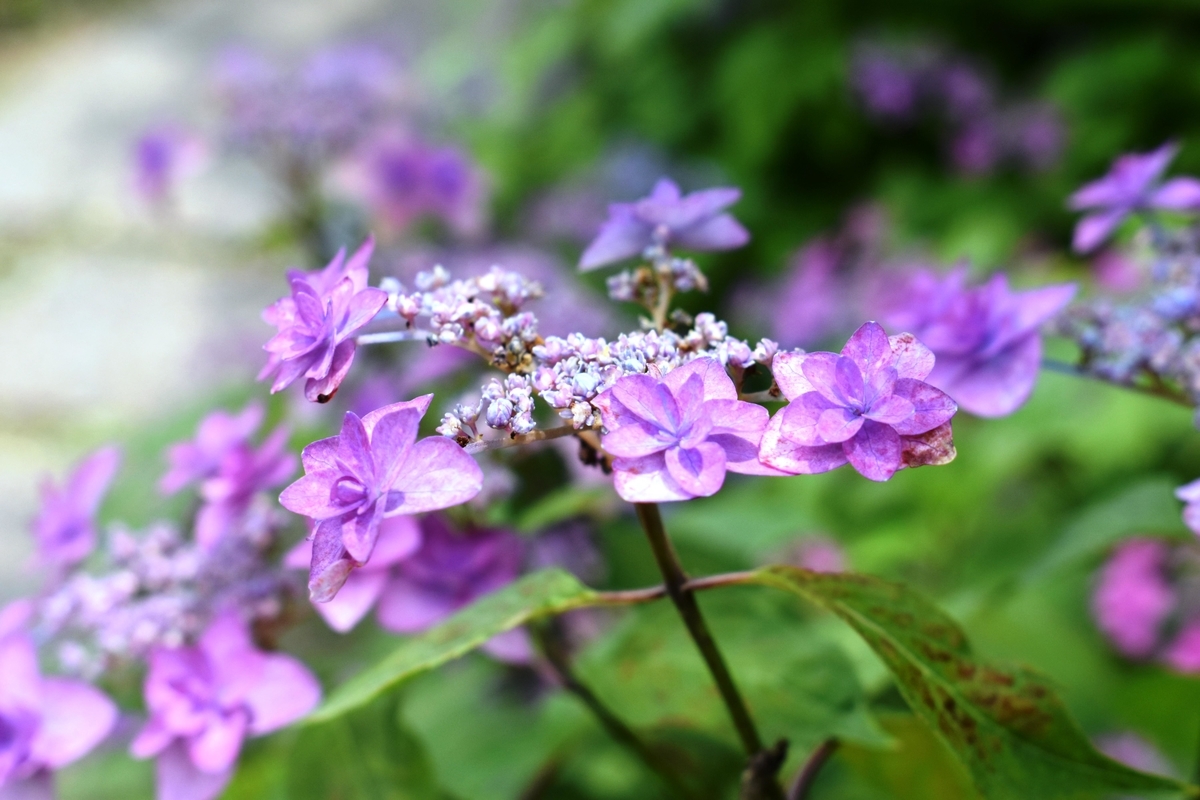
<point x="681" y="595"/>
<point x="517" y="441"/>
<point x="808" y="773"/>
<point x="1157" y="389"/>
<point x="553" y="648"/>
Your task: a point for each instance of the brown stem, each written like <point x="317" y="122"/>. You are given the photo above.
<point x="808" y="773"/>
<point x="517" y="441"/>
<point x="676" y="580"/>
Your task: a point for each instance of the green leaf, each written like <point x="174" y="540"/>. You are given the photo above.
<point x="1007" y="726"/>
<point x="537" y="595"/>
<point x="363" y="755"/>
<point x="1148" y="507"/>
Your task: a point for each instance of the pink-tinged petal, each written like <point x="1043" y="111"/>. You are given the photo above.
<point x="356" y="268"/>
<point x="152" y="739"/>
<point x="876" y="451"/>
<point x="736" y="416"/>
<point x="229" y="648"/>
<point x="15" y="617"/>
<point x="213" y="521"/>
<point x="320" y="455"/>
<point x="850" y="383"/>
<point x="177" y="778"/>
<point x="800" y="419"/>
<point x="1183" y="654"/>
<point x="361" y="530"/>
<point x="892" y="410"/>
<point x="788" y="369"/>
<point x="284" y="692"/>
<point x="666" y="206"/>
<point x="300" y="556"/>
<point x="930" y="449"/>
<point x="399" y="538"/>
<point x="699" y="470"/>
<point x="354" y="449"/>
<point x="1189" y="492"/>
<point x="1092" y="230"/>
<point x="1000" y="385"/>
<point x="1191" y="517"/>
<point x="869" y="348"/>
<point x="783" y="454"/>
<point x="330" y="562"/>
<point x="418" y="404"/>
<point x="1036" y="307"/>
<point x="355" y="599"/>
<point x="715" y="380"/>
<point x="929" y="407"/>
<point x="647" y="399"/>
<point x="1097" y="194"/>
<point x="310" y="496"/>
<point x="1177" y="194"/>
<point x="75" y="718"/>
<point x="836" y="425"/>
<point x="215" y="749"/>
<point x="646" y="480"/>
<point x="363" y="307"/>
<point x="38" y="786"/>
<point x="390" y="440"/>
<point x="722" y="232"/>
<point x="912" y="359"/>
<point x="622" y="236"/>
<point x="511" y="647"/>
<point x="437" y="474"/>
<point x="91" y="479"/>
<point x="22" y="684"/>
<point x="406" y="608"/>
<point x="636" y="439"/>
<point x="289" y="372"/>
<point x="820" y="369"/>
<point x="322" y="388"/>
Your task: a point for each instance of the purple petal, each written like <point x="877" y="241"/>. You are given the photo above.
<point x="357" y="266"/>
<point x="821" y="371"/>
<point x="930" y="449"/>
<point x="152" y="739"/>
<point x="738" y="428"/>
<point x="791" y="458"/>
<point x="869" y="348"/>
<point x="1177" y="194"/>
<point x="665" y="206"/>
<point x="360" y="531"/>
<point x="636" y="439"/>
<point x="75" y="718"/>
<point x="320" y="455"/>
<point x="15" y="617"/>
<point x="437" y="474"/>
<point x="319" y="389"/>
<point x="647" y="399"/>
<point x="1093" y="229"/>
<point x="875" y="451"/>
<point x="363" y="307"/>
<point x="788" y="369"/>
<point x="91" y="479"/>
<point x="330" y="562"/>
<point x="1034" y="308"/>
<point x="929" y="407"/>
<point x="311" y="496"/>
<point x="646" y="480"/>
<point x="405" y="607"/>
<point x="215" y="749"/>
<point x="913" y="359"/>
<point x="511" y="647"/>
<point x="399" y="538"/>
<point x="355" y="599"/>
<point x="836" y="425"/>
<point x="892" y="410"/>
<point x="177" y="778"/>
<point x="1189" y="492"/>
<point x="284" y="692"/>
<point x="800" y="419"/>
<point x="393" y="435"/>
<point x="622" y="236"/>
<point x="998" y="386"/>
<point x="420" y="404"/>
<point x="715" y="380"/>
<point x="38" y="786"/>
<point x="21" y="686"/>
<point x="354" y="450"/>
<point x="699" y="470"/>
<point x="850" y="384"/>
<point x="1097" y="194"/>
<point x="722" y="232"/>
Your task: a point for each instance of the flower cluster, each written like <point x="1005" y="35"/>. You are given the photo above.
<point x="896" y="84"/>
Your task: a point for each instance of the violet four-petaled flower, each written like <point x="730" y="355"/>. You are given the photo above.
<point x="374" y="469"/>
<point x="675" y="437"/>
<point x="317" y="325"/>
<point x="987" y="339"/>
<point x="1133" y="184"/>
<point x="45" y="723"/>
<point x="696" y="221"/>
<point x="205" y="700"/>
<point x="65" y="527"/>
<point x="868" y="406"/>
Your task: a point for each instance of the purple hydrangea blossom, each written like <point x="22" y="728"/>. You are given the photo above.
<point x="987" y="338"/>
<point x="205" y="700"/>
<point x="1134" y="184"/>
<point x="1133" y="597"/>
<point x="217" y="435"/>
<point x="819" y="554"/>
<point x="1190" y="495"/>
<point x="243" y="472"/>
<point x="318" y="322"/>
<point x="675" y="437"/>
<point x="65" y="528"/>
<point x="45" y="723"/>
<point x="1183" y="654"/>
<point x="374" y="469"/>
<point x="697" y="221"/>
<point x="869" y="406"/>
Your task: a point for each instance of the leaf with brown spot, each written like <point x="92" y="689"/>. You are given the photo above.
<point x="1007" y="726"/>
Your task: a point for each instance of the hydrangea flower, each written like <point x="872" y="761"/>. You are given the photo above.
<point x="1183" y="654"/>
<point x="675" y="437"/>
<point x="243" y="473"/>
<point x="694" y="222"/>
<point x="869" y="406"/>
<point x="987" y="339"/>
<point x="45" y="723"/>
<point x="318" y="322"/>
<point x="205" y="700"/>
<point x="65" y="527"/>
<point x="1133" y="184"/>
<point x="374" y="469"/>
<point x="217" y="435"/>
<point x="1190" y="495"/>
<point x="1133" y="598"/>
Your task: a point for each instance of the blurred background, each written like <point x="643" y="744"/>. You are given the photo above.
<point x="148" y="210"/>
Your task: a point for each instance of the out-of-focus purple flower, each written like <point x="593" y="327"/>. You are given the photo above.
<point x="399" y="538"/>
<point x="819" y="554"/>
<point x="987" y="338"/>
<point x="162" y="156"/>
<point x="317" y="325"/>
<point x="374" y="469"/>
<point x="205" y="700"/>
<point x="1038" y="135"/>
<point x="1134" y="184"/>
<point x="1132" y="598"/>
<point x="1134" y="751"/>
<point x="217" y="435"/>
<point x="450" y="570"/>
<point x="697" y="221"/>
<point x="674" y="438"/>
<point x="1190" y="495"/>
<point x="888" y="88"/>
<point x="1183" y="654"/>
<point x="65" y="527"/>
<point x="869" y="406"/>
<point x="975" y="148"/>
<point x="242" y="473"/>
<point x="810" y="301"/>
<point x="1116" y="272"/>
<point x="45" y="723"/>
